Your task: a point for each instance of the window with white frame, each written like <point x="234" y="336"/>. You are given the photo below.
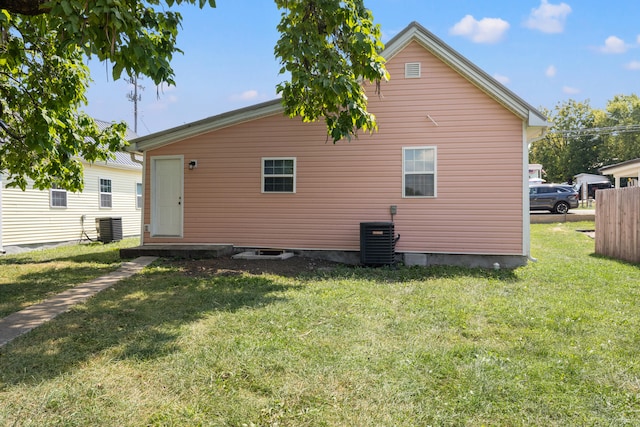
<point x="279" y="175"/>
<point x="419" y="172"/>
<point x="105" y="193"/>
<point x="58" y="197"/>
<point x="138" y="195"/>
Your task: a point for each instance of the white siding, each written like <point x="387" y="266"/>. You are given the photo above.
<point x="27" y="217"/>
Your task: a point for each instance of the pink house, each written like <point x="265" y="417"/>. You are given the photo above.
<point x="448" y="167"/>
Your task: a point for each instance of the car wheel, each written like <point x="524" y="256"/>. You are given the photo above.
<point x="561" y="208"/>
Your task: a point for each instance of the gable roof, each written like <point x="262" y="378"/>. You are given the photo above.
<point x="253" y="112"/>
<point x="414" y="32"/>
<point x="467" y="69"/>
<point x="628" y="167"/>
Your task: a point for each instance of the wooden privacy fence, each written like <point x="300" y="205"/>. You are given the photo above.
<point x="618" y="223"/>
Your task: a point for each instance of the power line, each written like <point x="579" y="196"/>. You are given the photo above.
<point x="610" y="130"/>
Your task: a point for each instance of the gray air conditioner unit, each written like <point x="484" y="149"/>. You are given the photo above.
<point x="109" y="229"/>
<point x="377" y="243"/>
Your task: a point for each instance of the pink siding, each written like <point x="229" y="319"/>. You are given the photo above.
<point x="478" y="208"/>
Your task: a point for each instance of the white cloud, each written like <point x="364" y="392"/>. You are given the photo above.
<point x="502" y="79"/>
<point x="165" y="96"/>
<point x="247" y="95"/>
<point x="570" y="90"/>
<point x="163" y="103"/>
<point x="614" y="45"/>
<point x="638" y="39"/>
<point x="548" y="18"/>
<point x="486" y="30"/>
<point x="551" y="71"/>
<point x="163" y="88"/>
<point x="633" y="65"/>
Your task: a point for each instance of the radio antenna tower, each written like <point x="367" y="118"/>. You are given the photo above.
<point x="134" y="97"/>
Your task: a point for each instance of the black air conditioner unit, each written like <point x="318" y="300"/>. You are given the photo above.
<point x="109" y="229"/>
<point x="377" y="243"/>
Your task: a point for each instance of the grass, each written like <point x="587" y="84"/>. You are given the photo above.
<point x="30" y="277"/>
<point x="554" y="343"/>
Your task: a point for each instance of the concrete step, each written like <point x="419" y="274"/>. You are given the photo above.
<point x="178" y="251"/>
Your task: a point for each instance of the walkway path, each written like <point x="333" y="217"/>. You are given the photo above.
<point x="20" y="323"/>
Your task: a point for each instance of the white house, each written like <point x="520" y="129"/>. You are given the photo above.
<point x="535" y="173"/>
<point x="629" y="171"/>
<point x="34" y="217"/>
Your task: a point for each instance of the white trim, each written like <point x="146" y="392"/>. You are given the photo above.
<point x="263" y="176"/>
<point x="59" y="190"/>
<point x="1" y="185"/>
<point x="153" y="196"/>
<point x="144" y="192"/>
<point x="209" y="124"/>
<point x="100" y="193"/>
<point x="138" y="208"/>
<point x="413" y="31"/>
<point x="435" y="171"/>
<point x="465" y="68"/>
<point x="112" y="165"/>
<point x="412" y="70"/>
<point x="526" y="216"/>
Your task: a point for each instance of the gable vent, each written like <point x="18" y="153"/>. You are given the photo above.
<point x="412" y="70"/>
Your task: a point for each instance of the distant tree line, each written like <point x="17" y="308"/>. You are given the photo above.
<point x="583" y="139"/>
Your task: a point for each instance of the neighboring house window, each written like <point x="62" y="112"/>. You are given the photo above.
<point x="105" y="193"/>
<point x="419" y="172"/>
<point x="138" y="195"/>
<point x="58" y="197"/>
<point x="279" y="175"/>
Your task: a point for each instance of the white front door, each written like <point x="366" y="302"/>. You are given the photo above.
<point x="166" y="196"/>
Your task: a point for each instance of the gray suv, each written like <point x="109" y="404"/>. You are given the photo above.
<point x="554" y="198"/>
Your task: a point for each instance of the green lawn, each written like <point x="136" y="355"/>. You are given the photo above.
<point x="554" y="343"/>
<point x="30" y="277"/>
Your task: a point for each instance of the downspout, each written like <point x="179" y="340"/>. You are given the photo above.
<point x="135" y="159"/>
<point x="527" y="213"/>
<point x="1" y="248"/>
<point x="140" y="162"/>
<point x="4" y="127"/>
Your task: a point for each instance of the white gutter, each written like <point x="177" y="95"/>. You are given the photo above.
<point x="1" y="248"/>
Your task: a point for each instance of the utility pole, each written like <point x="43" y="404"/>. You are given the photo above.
<point x="134" y="97"/>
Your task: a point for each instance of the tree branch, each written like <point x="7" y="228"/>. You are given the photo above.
<point x="25" y="7"/>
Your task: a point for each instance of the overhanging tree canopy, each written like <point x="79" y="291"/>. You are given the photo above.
<point x="328" y="46"/>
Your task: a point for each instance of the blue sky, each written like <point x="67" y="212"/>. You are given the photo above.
<point x="546" y="51"/>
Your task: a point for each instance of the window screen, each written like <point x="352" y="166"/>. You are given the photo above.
<point x="419" y="172"/>
<point x="278" y="175"/>
<point x="105" y="193"/>
<point x="58" y="197"/>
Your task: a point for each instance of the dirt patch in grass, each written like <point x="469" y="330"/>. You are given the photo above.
<point x="590" y="233"/>
<point x="291" y="267"/>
